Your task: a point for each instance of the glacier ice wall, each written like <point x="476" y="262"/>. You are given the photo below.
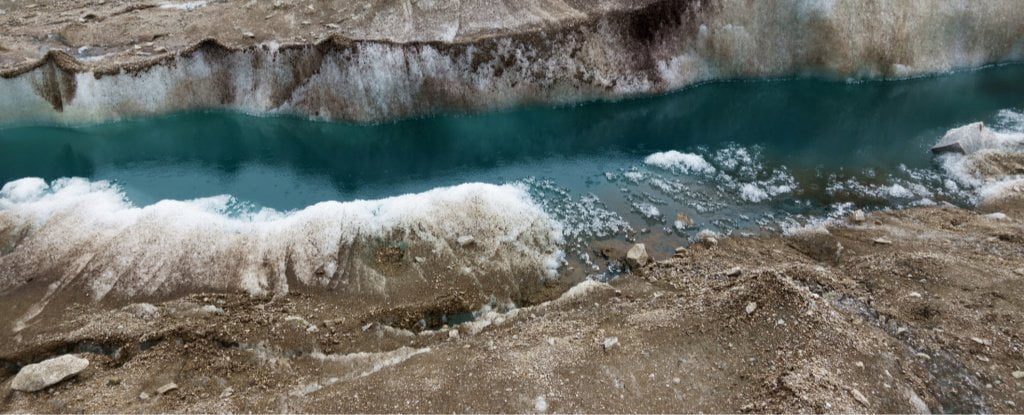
<point x="85" y="242"/>
<point x="663" y="46"/>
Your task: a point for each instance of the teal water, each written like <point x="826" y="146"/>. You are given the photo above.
<point x="837" y="142"/>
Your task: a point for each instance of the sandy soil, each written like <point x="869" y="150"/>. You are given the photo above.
<point x="919" y="310"/>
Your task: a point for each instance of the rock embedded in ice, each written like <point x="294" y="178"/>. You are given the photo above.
<point x="40" y="375"/>
<point x="637" y="256"/>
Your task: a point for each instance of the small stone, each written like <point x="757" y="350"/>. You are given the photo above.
<point x="882" y="241"/>
<point x="160" y="49"/>
<point x="680" y="249"/>
<point x="610" y="343"/>
<point x="142" y="310"/>
<point x="733" y="272"/>
<point x="637" y="256"/>
<point x="249" y="35"/>
<point x="858" y="216"/>
<point x="333" y="26"/>
<point x="997" y="216"/>
<point x="211" y="309"/>
<point x="857" y="395"/>
<point x="751" y="307"/>
<point x="981" y="341"/>
<point x="1018" y="374"/>
<point x="1019" y="271"/>
<point x="923" y="356"/>
<point x="816" y="242"/>
<point x="166" y="388"/>
<point x="41" y="375"/>
<point x="708" y="237"/>
<point x="453" y="334"/>
<point x="859" y="364"/>
<point x="551" y="341"/>
<point x="419" y="259"/>
<point x="683" y="220"/>
<point x="227" y="392"/>
<point x="143" y="396"/>
<point x="113" y="381"/>
<point x="465" y="240"/>
<point x="915" y="294"/>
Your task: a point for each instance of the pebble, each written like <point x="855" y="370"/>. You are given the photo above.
<point x="166" y="388"/>
<point x="915" y="294"/>
<point x="681" y="249"/>
<point x="610" y="343"/>
<point x="453" y="334"/>
<point x="143" y="396"/>
<point x="733" y="272"/>
<point x="465" y="240"/>
<point x="985" y="342"/>
<point x="1019" y="374"/>
<point x="858" y="216"/>
<point x="882" y="241"/>
<point x="923" y="356"/>
<point x="859" y="397"/>
<point x="751" y="307"/>
<point x="249" y="35"/>
<point x="419" y="259"/>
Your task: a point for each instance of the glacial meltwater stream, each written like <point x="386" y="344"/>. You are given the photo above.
<point x="733" y="156"/>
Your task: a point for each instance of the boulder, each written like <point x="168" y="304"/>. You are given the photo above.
<point x="41" y="375"/>
<point x="815" y="242"/>
<point x="637" y="256"/>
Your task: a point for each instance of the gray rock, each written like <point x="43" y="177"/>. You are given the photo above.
<point x="882" y="241"/>
<point x="142" y="310"/>
<point x="166" y="388"/>
<point x="917" y="403"/>
<point x="751" y="307"/>
<point x="465" y="240"/>
<point x="1019" y="374"/>
<point x="610" y="343"/>
<point x="858" y="216"/>
<point x="857" y="395"/>
<point x="637" y="256"/>
<point x="40" y="375"/>
<point x="815" y="242"/>
<point x="733" y="272"/>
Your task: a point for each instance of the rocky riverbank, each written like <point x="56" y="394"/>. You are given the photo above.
<point x="73" y="61"/>
<point x="904" y="311"/>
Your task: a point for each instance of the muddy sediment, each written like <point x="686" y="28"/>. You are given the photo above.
<point x="918" y="312"/>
